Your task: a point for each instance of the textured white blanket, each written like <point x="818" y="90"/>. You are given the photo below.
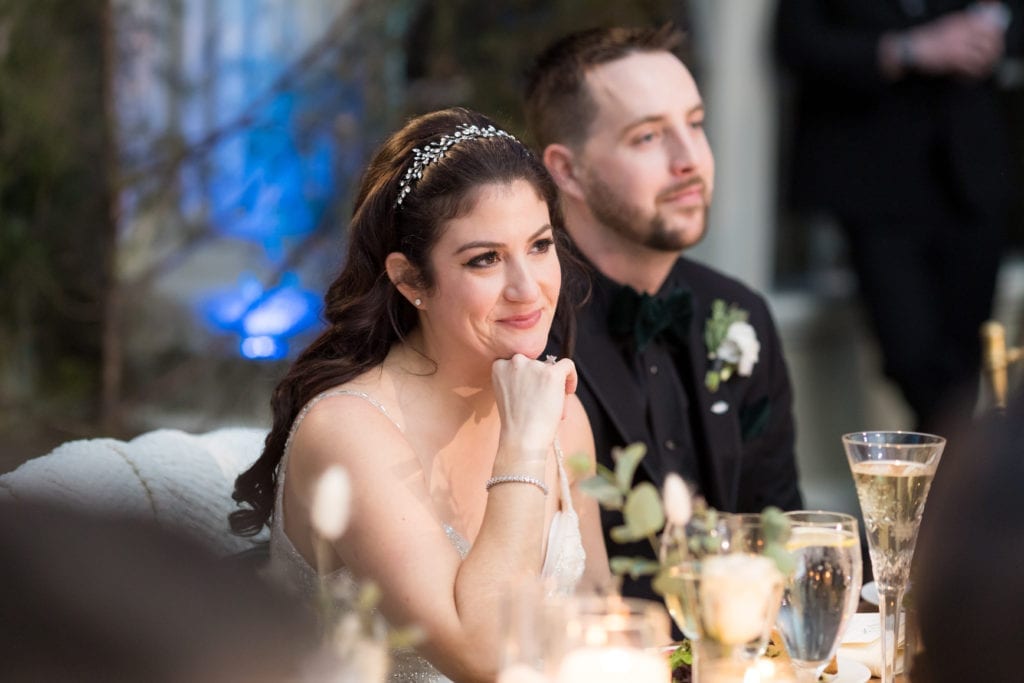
<point x="183" y="481"/>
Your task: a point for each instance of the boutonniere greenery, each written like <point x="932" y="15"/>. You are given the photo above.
<point x="732" y="344"/>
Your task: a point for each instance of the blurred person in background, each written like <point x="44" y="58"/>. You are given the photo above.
<point x="99" y="598"/>
<point x="425" y="388"/>
<point x="898" y="134"/>
<point x="620" y="125"/>
<point x="967" y="587"/>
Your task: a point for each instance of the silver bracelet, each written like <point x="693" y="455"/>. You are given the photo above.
<point x="516" y="479"/>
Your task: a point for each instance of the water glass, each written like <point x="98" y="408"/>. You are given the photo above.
<point x="823" y="590"/>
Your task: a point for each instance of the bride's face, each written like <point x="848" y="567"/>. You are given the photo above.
<point x="497" y="277"/>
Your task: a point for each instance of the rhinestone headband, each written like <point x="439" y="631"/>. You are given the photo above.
<point x="435" y="151"/>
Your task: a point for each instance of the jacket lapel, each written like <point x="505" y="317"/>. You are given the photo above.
<point x="717" y="412"/>
<point x="597" y="355"/>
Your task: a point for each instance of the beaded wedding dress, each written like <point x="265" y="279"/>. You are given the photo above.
<point x="563" y="563"/>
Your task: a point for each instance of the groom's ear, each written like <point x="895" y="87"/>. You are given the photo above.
<point x="403" y="276"/>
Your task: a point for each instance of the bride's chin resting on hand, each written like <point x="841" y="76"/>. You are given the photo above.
<point x="458" y="488"/>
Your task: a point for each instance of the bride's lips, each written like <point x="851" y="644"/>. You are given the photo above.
<point x="522" y="322"/>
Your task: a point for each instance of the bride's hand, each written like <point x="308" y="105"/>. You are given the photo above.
<point x="531" y="400"/>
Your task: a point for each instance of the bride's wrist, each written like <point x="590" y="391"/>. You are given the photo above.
<point x="532" y="461"/>
<point x="524" y="447"/>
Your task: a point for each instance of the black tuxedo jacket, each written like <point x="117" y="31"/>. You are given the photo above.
<point x="745" y="443"/>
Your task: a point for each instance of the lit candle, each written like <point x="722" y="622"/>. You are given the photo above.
<point x="521" y="673"/>
<point x="737" y="594"/>
<point x="613" y="665"/>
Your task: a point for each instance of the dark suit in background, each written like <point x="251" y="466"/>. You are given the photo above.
<point x="967" y="568"/>
<point x="736" y="445"/>
<point x="915" y="166"/>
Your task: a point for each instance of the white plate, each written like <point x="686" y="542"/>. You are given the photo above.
<point x="850" y="672"/>
<point x="869" y="592"/>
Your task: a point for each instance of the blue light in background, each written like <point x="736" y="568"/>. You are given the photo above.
<point x="272" y="182"/>
<point x="263" y="348"/>
<point x="276" y="182"/>
<point x="263" y="319"/>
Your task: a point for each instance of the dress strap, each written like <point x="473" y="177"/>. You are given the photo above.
<point x="336" y="392"/>
<point x="563" y="477"/>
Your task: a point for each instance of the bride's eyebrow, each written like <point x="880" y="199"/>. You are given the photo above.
<point x="482" y="244"/>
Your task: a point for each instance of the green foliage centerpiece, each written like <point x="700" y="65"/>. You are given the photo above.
<point x="720" y="574"/>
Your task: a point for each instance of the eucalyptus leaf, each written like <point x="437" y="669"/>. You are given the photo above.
<point x="578" y="464"/>
<point x="635" y="567"/>
<point x="776" y="525"/>
<point x="783" y="560"/>
<point x="606" y="472"/>
<point x="642" y="512"/>
<point x="626" y="461"/>
<point x="603" y="491"/>
<point x="623" y="534"/>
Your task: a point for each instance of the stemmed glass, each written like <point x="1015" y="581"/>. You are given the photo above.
<point x="893" y="472"/>
<point x="822" y="591"/>
<point x="548" y="638"/>
<point x="725" y="595"/>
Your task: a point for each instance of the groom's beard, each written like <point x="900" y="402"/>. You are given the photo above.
<point x="628" y="221"/>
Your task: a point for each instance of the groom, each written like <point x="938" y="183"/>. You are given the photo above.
<point x="619" y="122"/>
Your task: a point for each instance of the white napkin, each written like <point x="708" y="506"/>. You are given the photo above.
<point x="862" y="642"/>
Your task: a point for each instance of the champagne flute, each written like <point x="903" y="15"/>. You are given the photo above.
<point x="893" y="472"/>
<point x="822" y="592"/>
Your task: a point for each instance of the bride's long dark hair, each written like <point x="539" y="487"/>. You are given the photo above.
<point x="364" y="312"/>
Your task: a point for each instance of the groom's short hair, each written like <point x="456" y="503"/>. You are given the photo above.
<point x="559" y="107"/>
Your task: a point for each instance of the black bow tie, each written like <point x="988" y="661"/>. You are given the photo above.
<point x="643" y="317"/>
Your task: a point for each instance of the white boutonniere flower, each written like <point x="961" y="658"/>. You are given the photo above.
<point x="731" y="342"/>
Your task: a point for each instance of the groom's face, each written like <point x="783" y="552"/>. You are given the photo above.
<point x="646" y="168"/>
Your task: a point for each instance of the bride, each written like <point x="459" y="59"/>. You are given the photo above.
<point x="425" y="388"/>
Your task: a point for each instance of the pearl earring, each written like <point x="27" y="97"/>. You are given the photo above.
<point x="417" y="302"/>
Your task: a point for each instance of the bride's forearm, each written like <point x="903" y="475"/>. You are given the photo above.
<point x="508" y="549"/>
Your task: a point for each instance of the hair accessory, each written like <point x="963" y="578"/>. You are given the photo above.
<point x="417" y="302"/>
<point x="516" y="479"/>
<point x="435" y="151"/>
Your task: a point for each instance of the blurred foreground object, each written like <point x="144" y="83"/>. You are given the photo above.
<point x="966" y="572"/>
<point x="103" y="598"/>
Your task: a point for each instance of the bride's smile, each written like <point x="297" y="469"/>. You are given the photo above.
<point x="497" y="278"/>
